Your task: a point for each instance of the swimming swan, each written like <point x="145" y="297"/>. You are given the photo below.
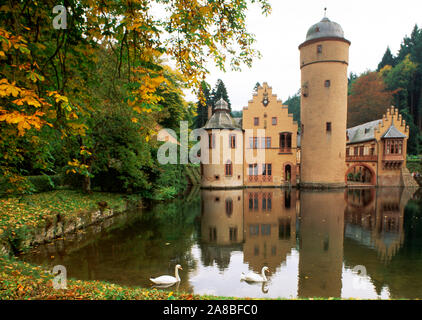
<point x="168" y="279"/>
<point x="254" y="277"/>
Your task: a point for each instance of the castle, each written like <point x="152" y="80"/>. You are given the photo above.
<point x="265" y="148"/>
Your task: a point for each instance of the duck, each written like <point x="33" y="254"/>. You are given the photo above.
<point x="168" y="280"/>
<point x="254" y="277"/>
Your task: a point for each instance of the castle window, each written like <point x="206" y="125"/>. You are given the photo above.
<point x="305" y="89"/>
<point x="211" y="140"/>
<point x="361" y="151"/>
<point x="394" y="146"/>
<point x="229" y="207"/>
<point x="328" y="127"/>
<point x="265" y="229"/>
<point x="229" y="169"/>
<point x="253" y="143"/>
<point x="284" y="230"/>
<point x="266" y="142"/>
<point x="347" y="152"/>
<point x="256" y="121"/>
<point x="287" y="199"/>
<point x="233" y="234"/>
<point x="213" y="234"/>
<point x="266" y="169"/>
<point x="319" y="48"/>
<point x="232" y="138"/>
<point x="253" y="201"/>
<point x="327" y="83"/>
<point x="274" y="121"/>
<point x="266" y="201"/>
<point x="356" y="151"/>
<point x="253" y="169"/>
<point x="285" y="142"/>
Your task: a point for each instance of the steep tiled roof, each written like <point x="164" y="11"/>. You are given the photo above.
<point x="222" y="120"/>
<point x="393" y="132"/>
<point x="363" y="132"/>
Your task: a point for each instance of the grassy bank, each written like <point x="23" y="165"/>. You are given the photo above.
<point x="33" y="210"/>
<point x="23" y="281"/>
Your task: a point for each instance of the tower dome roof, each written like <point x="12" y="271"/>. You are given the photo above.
<point x="222" y="105"/>
<point x="325" y="28"/>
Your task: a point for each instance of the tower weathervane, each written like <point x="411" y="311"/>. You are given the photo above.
<point x="325" y="12"/>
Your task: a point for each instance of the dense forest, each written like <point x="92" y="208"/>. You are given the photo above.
<point x="397" y="81"/>
<point x="84" y="88"/>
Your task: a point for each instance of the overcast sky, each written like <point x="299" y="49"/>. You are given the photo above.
<point x="371" y="26"/>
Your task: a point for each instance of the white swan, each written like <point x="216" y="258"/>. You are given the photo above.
<point x="168" y="279"/>
<point x="254" y="277"/>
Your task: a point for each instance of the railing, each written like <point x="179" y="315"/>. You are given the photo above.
<point x="285" y="150"/>
<point x="392" y="157"/>
<point x="362" y="158"/>
<point x="260" y="178"/>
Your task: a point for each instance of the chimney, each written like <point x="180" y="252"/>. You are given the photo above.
<point x="209" y="111"/>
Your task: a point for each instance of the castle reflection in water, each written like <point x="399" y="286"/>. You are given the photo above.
<point x="331" y="230"/>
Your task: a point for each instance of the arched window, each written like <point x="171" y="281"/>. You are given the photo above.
<point x="229" y="168"/>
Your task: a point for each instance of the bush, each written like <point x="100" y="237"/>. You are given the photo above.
<point x="45" y="183"/>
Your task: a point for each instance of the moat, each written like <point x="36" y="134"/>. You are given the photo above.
<point x="360" y="243"/>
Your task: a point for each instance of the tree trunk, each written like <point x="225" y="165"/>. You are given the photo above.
<point x="87" y="185"/>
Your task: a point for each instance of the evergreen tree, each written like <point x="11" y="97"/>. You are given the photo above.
<point x="352" y="78"/>
<point x="387" y="60"/>
<point x="202" y="106"/>
<point x="293" y="104"/>
<point x="220" y="92"/>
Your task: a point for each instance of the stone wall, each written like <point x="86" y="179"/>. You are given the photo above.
<point x="58" y="228"/>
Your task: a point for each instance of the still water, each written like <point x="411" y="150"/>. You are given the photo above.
<point x="362" y="243"/>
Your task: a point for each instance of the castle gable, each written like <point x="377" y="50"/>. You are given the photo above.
<point x="269" y="110"/>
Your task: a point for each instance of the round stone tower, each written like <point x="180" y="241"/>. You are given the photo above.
<point x="324" y="60"/>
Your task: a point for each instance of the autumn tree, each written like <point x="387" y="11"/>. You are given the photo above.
<point x="50" y="88"/>
<point x="369" y="99"/>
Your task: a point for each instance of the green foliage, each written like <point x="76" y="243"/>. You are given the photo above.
<point x="387" y="60"/>
<point x="403" y="75"/>
<point x="293" y="104"/>
<point x="57" y="85"/>
<point x="220" y="92"/>
<point x="171" y="181"/>
<point x="237" y="114"/>
<point x="122" y="159"/>
<point x="202" y="105"/>
<point x="45" y="183"/>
